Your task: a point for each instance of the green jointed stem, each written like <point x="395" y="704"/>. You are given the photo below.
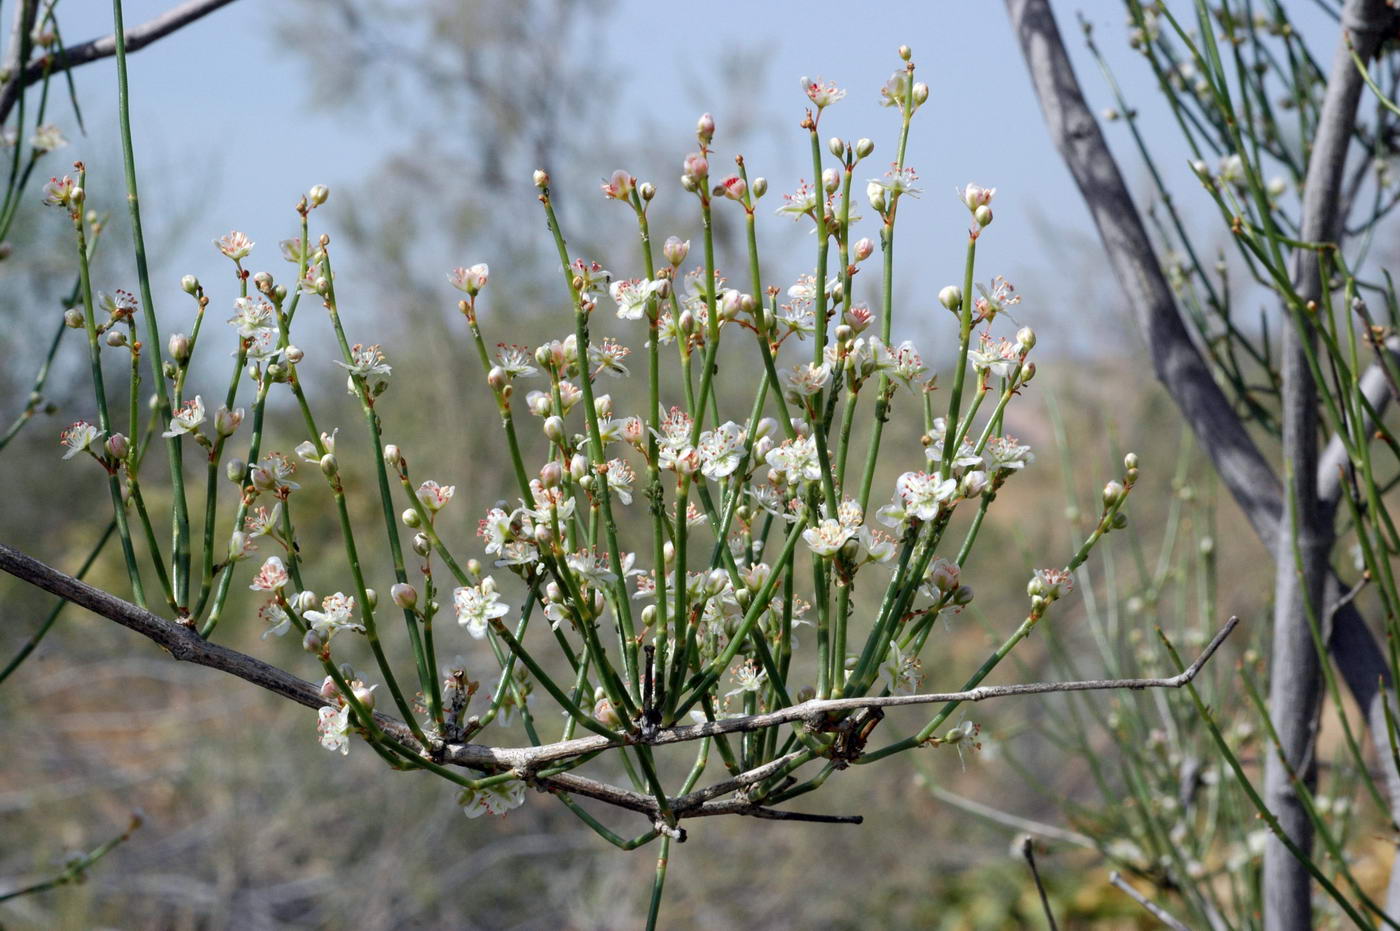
<point x="179" y="510"/>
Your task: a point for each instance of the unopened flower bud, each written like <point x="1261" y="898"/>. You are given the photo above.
<point x="676" y="249"/>
<point x="605" y="714"/>
<point x="421" y="544"/>
<point x="410" y="518"/>
<point x="226" y="421"/>
<point x="329" y="465"/>
<point x="905" y="52"/>
<point x="1130" y="461"/>
<point x="649" y="615"/>
<point x="864" y="147"/>
<point x="318" y="194"/>
<point x="983" y="215"/>
<point x="551" y="474"/>
<point x="835" y="146"/>
<point x="831" y="180"/>
<point x="404" y="595"/>
<point x="759" y="187"/>
<point x="115" y="338"/>
<point x="865" y="247"/>
<point x="544" y="535"/>
<point x="951" y="297"/>
<point x="304" y="601"/>
<point x="73" y="318"/>
<point x="371" y="598"/>
<point x="363" y="694"/>
<point x="393" y="458"/>
<point x="311" y="642"/>
<point x="294" y="354"/>
<point x="705" y="128"/>
<point x="844" y="333"/>
<point x="920" y="93"/>
<point x="263" y="282"/>
<point x="1027" y="373"/>
<point x="1025" y="337"/>
<point x="578" y="467"/>
<point x="668" y="552"/>
<point x="554" y="428"/>
<point x="497" y="378"/>
<point x="189" y="284"/>
<point x="1112" y="494"/>
<point x="118" y="446"/>
<point x="647" y="190"/>
<point x="234" y="469"/>
<point x="541" y="178"/>
<point x="875" y="193"/>
<point x="1120" y="520"/>
<point x="179" y="346"/>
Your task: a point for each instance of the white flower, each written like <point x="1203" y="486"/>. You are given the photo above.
<point x="632" y="295"/>
<point x="434" y="497"/>
<point x="748" y="677"/>
<point x="278" y="621"/>
<point x="251" y="315"/>
<point x="274" y="474"/>
<point x="46" y="138"/>
<point x="797" y="460"/>
<point x="187" y="419"/>
<point x="334" y="616"/>
<point x="516" y="360"/>
<point x="974" y="195"/>
<point x="827" y="537"/>
<point x="720" y="450"/>
<point x="477" y="606"/>
<point x="471" y="280"/>
<point x="1050" y="584"/>
<point x="59" y="191"/>
<point x="1005" y="454"/>
<point x="896" y="89"/>
<point x="608" y="356"/>
<point x="822" y="93"/>
<point x="271" y="577"/>
<point x="999" y="358"/>
<point x="802" y="381"/>
<point x="334" y="728"/>
<point x="495" y="799"/>
<point x="896" y="181"/>
<point x="799" y="203"/>
<point x="78" y="437"/>
<point x="902" y="361"/>
<point x="234" y="245"/>
<point x="902" y="673"/>
<point x="620" y="479"/>
<point x="923" y="495"/>
<point x="365" y="362"/>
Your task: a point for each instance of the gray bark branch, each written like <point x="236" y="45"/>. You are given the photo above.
<point x="137" y="38"/>
<point x="1176" y="360"/>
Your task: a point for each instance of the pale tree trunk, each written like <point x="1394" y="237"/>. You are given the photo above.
<point x="1241" y="466"/>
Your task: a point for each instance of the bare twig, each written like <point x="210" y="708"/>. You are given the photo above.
<point x="1155" y="910"/>
<point x="1027" y="845"/>
<point x="87" y="52"/>
<point x="1006" y="819"/>
<point x="186" y="645"/>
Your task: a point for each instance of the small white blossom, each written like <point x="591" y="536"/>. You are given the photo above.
<point x="271" y="577"/>
<point x="495" y="799"/>
<point x="234" y="245"/>
<point x="187" y="419"/>
<point x="477" y="606"/>
<point x="78" y="437"/>
<point x="334" y="616"/>
<point x="334" y="727"/>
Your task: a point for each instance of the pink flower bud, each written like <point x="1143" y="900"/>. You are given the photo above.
<point x="179" y="346"/>
<point x="696" y="166"/>
<point x="404" y="595"/>
<point x="734" y="187"/>
<point x="831" y="180"/>
<point x="118" y="446"/>
<point x="705" y="129"/>
<point x="541" y="178"/>
<point x="551" y="474"/>
<point x="226" y="421"/>
<point x="675" y="250"/>
<point x="864" y="248"/>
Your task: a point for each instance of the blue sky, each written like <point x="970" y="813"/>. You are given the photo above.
<point x="221" y="114"/>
